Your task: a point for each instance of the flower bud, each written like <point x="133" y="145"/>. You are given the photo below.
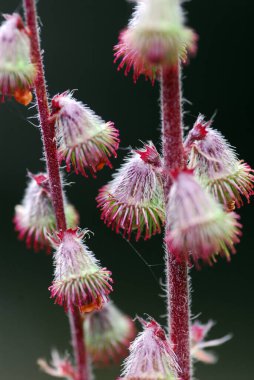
<point x="198" y="226"/>
<point x="155" y="37"/>
<point x="108" y="333"/>
<point x="17" y="73"/>
<point x="85" y="141"/>
<point x="79" y="281"/>
<point x="198" y="344"/>
<point x="134" y="200"/>
<point x="151" y="357"/>
<point x="59" y="366"/>
<point x="216" y="165"/>
<point x="34" y="217"/>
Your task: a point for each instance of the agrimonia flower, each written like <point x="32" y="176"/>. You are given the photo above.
<point x="198" y="225"/>
<point x="17" y="73"/>
<point x="34" y="217"/>
<point x="156" y="36"/>
<point x="134" y="201"/>
<point x="79" y="280"/>
<point x="199" y="344"/>
<point x="59" y="366"/>
<point x="216" y="165"/>
<point x="108" y="333"/>
<point x="85" y="141"/>
<point x="151" y="357"/>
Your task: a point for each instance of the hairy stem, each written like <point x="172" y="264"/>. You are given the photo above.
<point x="76" y="324"/>
<point x="50" y="149"/>
<point x="177" y="273"/>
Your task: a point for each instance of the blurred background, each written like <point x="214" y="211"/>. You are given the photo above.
<point x="77" y="37"/>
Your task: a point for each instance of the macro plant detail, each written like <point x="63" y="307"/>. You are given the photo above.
<point x="133" y="202"/>
<point x="84" y="140"/>
<point x="189" y="191"/>
<point x="17" y="72"/>
<point x="34" y="218"/>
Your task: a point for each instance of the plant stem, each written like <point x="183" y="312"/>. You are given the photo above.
<point x="76" y="323"/>
<point x="177" y="273"/>
<point x="49" y="143"/>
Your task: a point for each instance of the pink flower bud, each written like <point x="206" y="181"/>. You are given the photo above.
<point x="85" y="141"/>
<point x="198" y="344"/>
<point x="78" y="279"/>
<point x="108" y="333"/>
<point x="216" y="165"/>
<point x="35" y="217"/>
<point x="156" y="36"/>
<point x="151" y="356"/>
<point x="134" y="200"/>
<point x="17" y="73"/>
<point x="198" y="227"/>
<point x="59" y="366"/>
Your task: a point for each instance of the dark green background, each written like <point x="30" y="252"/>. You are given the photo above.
<point x="77" y="37"/>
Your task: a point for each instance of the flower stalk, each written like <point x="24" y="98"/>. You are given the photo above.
<point x="49" y="143"/>
<point x="177" y="272"/>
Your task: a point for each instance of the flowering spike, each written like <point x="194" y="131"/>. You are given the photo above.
<point x="217" y="166"/>
<point x="198" y="344"/>
<point x="108" y="333"/>
<point x="59" y="366"/>
<point x="78" y="280"/>
<point x="151" y="356"/>
<point x="34" y="217"/>
<point x="198" y="226"/>
<point x="134" y="201"/>
<point x="17" y="73"/>
<point x="85" y="141"/>
<point x="156" y="36"/>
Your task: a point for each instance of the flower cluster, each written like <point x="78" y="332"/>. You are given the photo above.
<point x="34" y="218"/>
<point x="79" y="280"/>
<point x="133" y="201"/>
<point x="216" y="165"/>
<point x="199" y="332"/>
<point x="108" y="333"/>
<point x="151" y="356"/>
<point x="17" y="73"/>
<point x="156" y="36"/>
<point x="198" y="225"/>
<point x="85" y="141"/>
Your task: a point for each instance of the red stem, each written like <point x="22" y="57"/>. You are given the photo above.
<point x="177" y="273"/>
<point x="49" y="143"/>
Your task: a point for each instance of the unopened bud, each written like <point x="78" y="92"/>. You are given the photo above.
<point x="85" y="141"/>
<point x="151" y="356"/>
<point x="155" y="37"/>
<point x="34" y="218"/>
<point x="216" y="165"/>
<point x="134" y="200"/>
<point x="79" y="280"/>
<point x="17" y="73"/>
<point x="108" y="333"/>
<point x="198" y="227"/>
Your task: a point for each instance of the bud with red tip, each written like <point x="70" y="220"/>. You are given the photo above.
<point x="17" y="73"/>
<point x="134" y="200"/>
<point x="216" y="165"/>
<point x="108" y="333"/>
<point x="59" y="366"/>
<point x="34" y="217"/>
<point x="198" y="227"/>
<point x="79" y="280"/>
<point x="151" y="356"/>
<point x="155" y="37"/>
<point x="199" y="332"/>
<point x="85" y="141"/>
